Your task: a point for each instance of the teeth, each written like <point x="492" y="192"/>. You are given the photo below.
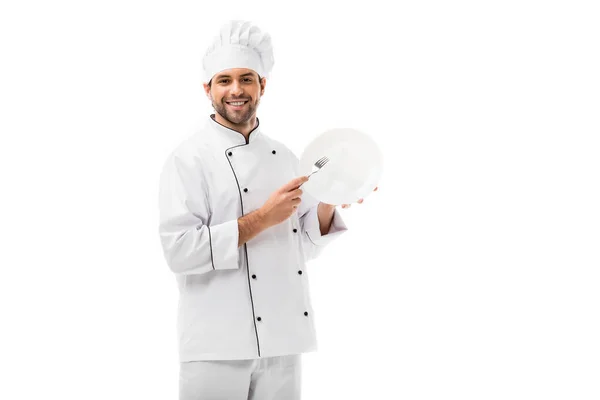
<point x="237" y="103"/>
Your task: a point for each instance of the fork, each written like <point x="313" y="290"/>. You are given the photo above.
<point x="319" y="164"/>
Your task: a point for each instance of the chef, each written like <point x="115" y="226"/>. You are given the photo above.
<point x="237" y="231"/>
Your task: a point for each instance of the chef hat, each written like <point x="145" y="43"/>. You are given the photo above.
<point x="240" y="44"/>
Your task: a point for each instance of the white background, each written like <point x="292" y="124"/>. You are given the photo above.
<point x="471" y="274"/>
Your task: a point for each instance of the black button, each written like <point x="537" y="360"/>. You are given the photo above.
<point x="253" y="276"/>
<point x="230" y="153"/>
<point x="258" y="318"/>
<point x="274" y="152"/>
<point x="245" y="189"/>
<point x="306" y="313"/>
<point x="299" y="272"/>
<point x="295" y="230"/>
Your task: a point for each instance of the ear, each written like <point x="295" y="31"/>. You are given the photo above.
<point x="263" y="84"/>
<point x="207" y="90"/>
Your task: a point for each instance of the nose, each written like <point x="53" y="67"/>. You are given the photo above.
<point x="236" y="89"/>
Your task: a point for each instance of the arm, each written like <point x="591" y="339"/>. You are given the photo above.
<point x="320" y="223"/>
<point x="250" y="225"/>
<point x="190" y="245"/>
<point x="325" y="213"/>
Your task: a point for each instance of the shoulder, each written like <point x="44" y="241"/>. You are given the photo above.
<point x="188" y="154"/>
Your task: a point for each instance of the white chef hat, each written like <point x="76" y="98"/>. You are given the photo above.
<point x="240" y="44"/>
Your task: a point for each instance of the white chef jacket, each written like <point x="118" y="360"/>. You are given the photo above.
<point x="235" y="302"/>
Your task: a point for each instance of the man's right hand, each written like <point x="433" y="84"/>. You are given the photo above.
<point x="283" y="202"/>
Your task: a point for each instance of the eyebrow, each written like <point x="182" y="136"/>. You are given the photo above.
<point x="229" y="76"/>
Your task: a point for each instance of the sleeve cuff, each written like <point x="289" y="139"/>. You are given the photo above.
<point x="224" y="239"/>
<point x="313" y="230"/>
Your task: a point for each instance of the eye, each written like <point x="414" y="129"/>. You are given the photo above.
<point x="223" y="80"/>
<point x="248" y="80"/>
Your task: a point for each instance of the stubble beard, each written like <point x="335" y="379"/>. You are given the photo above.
<point x="236" y="117"/>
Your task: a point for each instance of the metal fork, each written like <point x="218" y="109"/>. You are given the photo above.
<point x="319" y="164"/>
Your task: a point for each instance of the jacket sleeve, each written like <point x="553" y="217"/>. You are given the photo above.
<point x="313" y="241"/>
<point x="190" y="245"/>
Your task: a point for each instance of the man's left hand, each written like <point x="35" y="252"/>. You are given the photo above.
<point x="359" y="200"/>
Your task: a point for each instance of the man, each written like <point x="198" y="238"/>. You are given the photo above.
<point x="237" y="231"/>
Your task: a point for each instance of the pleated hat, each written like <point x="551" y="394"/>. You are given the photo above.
<point x="240" y="44"/>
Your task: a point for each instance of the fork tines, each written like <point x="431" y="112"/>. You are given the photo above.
<point x="322" y="161"/>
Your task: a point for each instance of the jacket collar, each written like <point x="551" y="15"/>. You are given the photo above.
<point x="229" y="137"/>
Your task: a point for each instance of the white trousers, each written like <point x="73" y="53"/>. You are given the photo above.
<point x="270" y="378"/>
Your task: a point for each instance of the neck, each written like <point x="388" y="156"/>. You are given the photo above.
<point x="244" y="128"/>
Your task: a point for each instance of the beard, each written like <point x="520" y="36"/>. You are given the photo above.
<point x="236" y="117"/>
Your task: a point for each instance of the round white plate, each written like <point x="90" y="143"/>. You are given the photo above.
<point x="353" y="171"/>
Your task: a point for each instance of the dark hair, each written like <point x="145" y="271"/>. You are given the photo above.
<point x="210" y="82"/>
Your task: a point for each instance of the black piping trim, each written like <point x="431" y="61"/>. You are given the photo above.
<point x="245" y="247"/>
<point x="309" y="238"/>
<point x="211" y="250"/>
<point x="233" y="130"/>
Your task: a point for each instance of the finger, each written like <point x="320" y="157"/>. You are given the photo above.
<point x="295" y="193"/>
<point x="375" y="188"/>
<point x="360" y="201"/>
<point x="294" y="183"/>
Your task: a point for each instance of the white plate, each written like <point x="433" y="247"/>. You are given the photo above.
<point x="353" y="171"/>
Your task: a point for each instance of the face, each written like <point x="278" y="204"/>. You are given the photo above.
<point x="235" y="94"/>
